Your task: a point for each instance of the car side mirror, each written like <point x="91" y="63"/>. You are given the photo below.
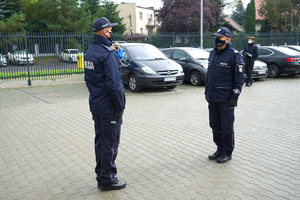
<point x="183" y="59"/>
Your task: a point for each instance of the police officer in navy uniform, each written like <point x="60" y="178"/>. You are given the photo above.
<point x="223" y="85"/>
<point x="250" y="53"/>
<point x="107" y="102"/>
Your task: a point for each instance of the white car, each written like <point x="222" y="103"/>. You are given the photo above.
<point x="69" y="55"/>
<point x="2" y="60"/>
<point x="19" y="57"/>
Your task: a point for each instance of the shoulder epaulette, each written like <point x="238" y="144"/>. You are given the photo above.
<point x="107" y="48"/>
<point x="234" y="50"/>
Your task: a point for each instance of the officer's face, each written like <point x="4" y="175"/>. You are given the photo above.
<point x="224" y="38"/>
<point x="107" y="32"/>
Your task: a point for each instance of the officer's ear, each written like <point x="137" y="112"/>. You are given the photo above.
<point x="227" y="39"/>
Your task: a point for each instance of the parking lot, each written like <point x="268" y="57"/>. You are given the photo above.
<point x="46" y="144"/>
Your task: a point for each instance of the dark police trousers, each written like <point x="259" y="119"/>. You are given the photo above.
<point x="107" y="139"/>
<point x="221" y="119"/>
<point x="248" y="69"/>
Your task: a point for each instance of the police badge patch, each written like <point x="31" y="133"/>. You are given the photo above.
<point x="240" y="68"/>
<point x="236" y="91"/>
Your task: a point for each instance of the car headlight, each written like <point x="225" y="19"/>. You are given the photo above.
<point x="180" y="70"/>
<point x="148" y="70"/>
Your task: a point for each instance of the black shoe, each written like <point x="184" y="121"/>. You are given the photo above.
<point x="223" y="158"/>
<point x="251" y="82"/>
<point x="214" y="156"/>
<point x="100" y="185"/>
<point x="247" y="85"/>
<point x="116" y="186"/>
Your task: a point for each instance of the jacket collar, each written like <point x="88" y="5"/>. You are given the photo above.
<point x="226" y="47"/>
<point x="100" y="39"/>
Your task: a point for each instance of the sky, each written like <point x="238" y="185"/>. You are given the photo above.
<point x="158" y="4"/>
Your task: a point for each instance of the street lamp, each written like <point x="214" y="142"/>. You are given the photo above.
<point x="130" y="28"/>
<point x="201" y="24"/>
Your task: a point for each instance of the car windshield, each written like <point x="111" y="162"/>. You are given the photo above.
<point x="75" y="51"/>
<point x="287" y="51"/>
<point x="20" y="52"/>
<point x="198" y="54"/>
<point x="145" y="52"/>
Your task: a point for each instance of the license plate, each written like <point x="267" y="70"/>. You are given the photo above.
<point x="170" y="79"/>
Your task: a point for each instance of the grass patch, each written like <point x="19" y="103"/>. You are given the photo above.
<point x="40" y="73"/>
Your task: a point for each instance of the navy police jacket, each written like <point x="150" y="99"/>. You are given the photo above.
<point x="225" y="75"/>
<point x="103" y="77"/>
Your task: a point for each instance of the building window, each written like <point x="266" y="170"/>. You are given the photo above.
<point x="149" y="16"/>
<point x="141" y="30"/>
<point x="141" y="16"/>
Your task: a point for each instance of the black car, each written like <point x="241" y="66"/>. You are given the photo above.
<point x="143" y="65"/>
<point x="194" y="62"/>
<point x="293" y="47"/>
<point x="280" y="60"/>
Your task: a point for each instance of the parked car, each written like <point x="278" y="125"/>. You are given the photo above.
<point x="293" y="47"/>
<point x="194" y="62"/>
<point x="2" y="60"/>
<point x="280" y="60"/>
<point x="69" y="55"/>
<point x="19" y="57"/>
<point x="143" y="65"/>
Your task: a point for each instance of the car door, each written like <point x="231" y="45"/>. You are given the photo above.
<point x="183" y="59"/>
<point x="264" y="54"/>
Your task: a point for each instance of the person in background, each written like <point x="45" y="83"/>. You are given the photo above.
<point x="223" y="85"/>
<point x="119" y="51"/>
<point x="250" y="54"/>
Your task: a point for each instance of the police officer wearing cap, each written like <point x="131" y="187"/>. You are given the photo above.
<point x="107" y="102"/>
<point x="223" y="85"/>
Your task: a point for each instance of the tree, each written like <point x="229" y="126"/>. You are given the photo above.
<point x="92" y="6"/>
<point x="55" y="16"/>
<point x="15" y="23"/>
<point x="184" y="15"/>
<point x="250" y="18"/>
<point x="238" y="14"/>
<point x="270" y="9"/>
<point x="2" y="9"/>
<point x="109" y="10"/>
<point x="13" y="6"/>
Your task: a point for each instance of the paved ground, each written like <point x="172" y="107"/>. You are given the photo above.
<point x="46" y="144"/>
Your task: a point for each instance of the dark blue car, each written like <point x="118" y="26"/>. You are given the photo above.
<point x="144" y="66"/>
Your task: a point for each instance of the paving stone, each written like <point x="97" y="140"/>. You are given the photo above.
<point x="46" y="150"/>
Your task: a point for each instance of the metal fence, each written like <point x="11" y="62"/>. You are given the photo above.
<point x="39" y="55"/>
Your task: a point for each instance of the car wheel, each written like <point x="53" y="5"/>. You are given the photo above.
<point x="133" y="84"/>
<point x="172" y="87"/>
<point x="195" y="78"/>
<point x="273" y="71"/>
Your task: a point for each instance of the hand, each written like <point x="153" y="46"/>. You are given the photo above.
<point x="233" y="103"/>
<point x="118" y="116"/>
<point x="206" y="98"/>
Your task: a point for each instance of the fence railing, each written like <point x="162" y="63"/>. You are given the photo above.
<point x="28" y="56"/>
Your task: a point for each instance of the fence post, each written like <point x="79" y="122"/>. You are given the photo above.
<point x="270" y="39"/>
<point x="26" y="47"/>
<point x="209" y="39"/>
<point x="242" y="41"/>
<point x="173" y="39"/>
<point x="83" y="48"/>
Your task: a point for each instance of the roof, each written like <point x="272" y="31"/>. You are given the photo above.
<point x="257" y="6"/>
<point x="234" y="25"/>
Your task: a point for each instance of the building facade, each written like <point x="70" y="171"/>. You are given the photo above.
<point x="140" y="19"/>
